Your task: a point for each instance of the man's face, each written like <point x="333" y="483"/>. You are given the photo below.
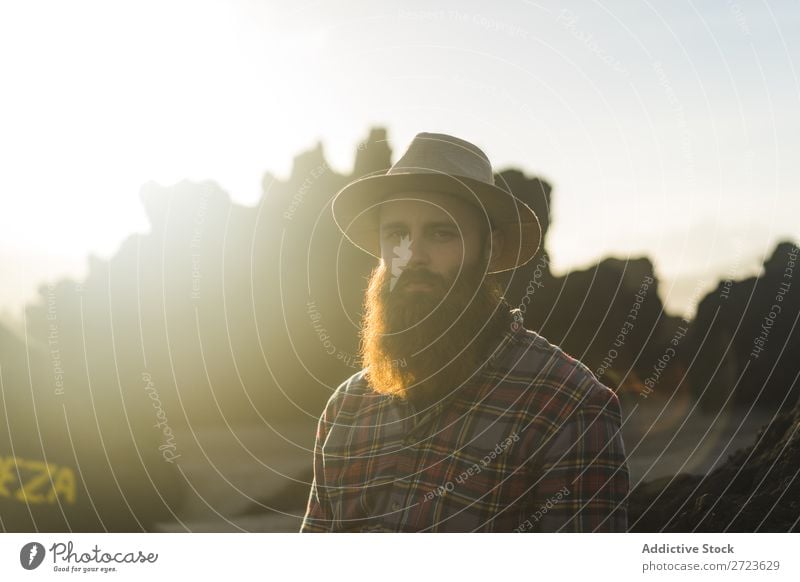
<point x="428" y="238"/>
<point x="429" y="300"/>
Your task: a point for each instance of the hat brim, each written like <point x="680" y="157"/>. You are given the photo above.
<point x="356" y="206"/>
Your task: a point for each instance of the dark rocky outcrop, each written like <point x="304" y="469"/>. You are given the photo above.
<point x="756" y="490"/>
<point x="746" y="338"/>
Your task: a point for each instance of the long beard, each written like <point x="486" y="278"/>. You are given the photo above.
<point x="425" y="344"/>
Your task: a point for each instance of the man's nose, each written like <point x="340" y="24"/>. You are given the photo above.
<point x="419" y="254"/>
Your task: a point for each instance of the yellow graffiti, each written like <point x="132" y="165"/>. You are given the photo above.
<point x="36" y="482"/>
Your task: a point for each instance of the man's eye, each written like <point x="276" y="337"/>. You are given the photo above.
<point x="444" y="234"/>
<point x="397" y="232"/>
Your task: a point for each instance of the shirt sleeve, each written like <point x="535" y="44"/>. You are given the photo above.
<point x="319" y="516"/>
<point x="583" y="476"/>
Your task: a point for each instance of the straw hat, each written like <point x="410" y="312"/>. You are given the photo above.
<point x="436" y="162"/>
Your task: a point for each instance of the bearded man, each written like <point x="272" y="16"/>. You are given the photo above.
<point x="461" y="419"/>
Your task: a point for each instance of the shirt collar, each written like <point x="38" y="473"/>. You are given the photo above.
<point x="512" y="330"/>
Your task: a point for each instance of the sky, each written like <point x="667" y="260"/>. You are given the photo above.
<point x="669" y="130"/>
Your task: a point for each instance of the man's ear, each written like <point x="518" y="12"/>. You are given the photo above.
<point x="494" y="245"/>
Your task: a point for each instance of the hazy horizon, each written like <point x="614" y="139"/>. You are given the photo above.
<point x="679" y="293"/>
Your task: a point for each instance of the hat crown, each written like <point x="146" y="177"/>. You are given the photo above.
<point x="439" y="153"/>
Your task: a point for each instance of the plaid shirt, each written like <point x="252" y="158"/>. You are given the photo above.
<point x="532" y="443"/>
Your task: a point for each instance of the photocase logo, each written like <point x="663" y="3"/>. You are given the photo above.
<point x="31" y="555"/>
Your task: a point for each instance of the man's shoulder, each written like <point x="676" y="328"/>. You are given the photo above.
<point x="350" y="395"/>
<point x="531" y="353"/>
<point x="355" y="384"/>
<point x="557" y="380"/>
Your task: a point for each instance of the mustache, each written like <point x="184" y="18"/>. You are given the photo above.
<point x="420" y="276"/>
